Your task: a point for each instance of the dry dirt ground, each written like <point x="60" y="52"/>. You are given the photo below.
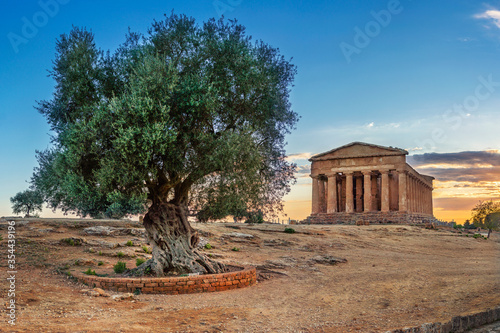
<point x="395" y="276"/>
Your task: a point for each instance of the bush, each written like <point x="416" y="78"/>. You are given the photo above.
<point x="255" y="217"/>
<point x="130" y="243"/>
<point x="90" y="272"/>
<point x="100" y="263"/>
<point x="120" y="254"/>
<point x="146" y="249"/>
<point x="139" y="261"/>
<point x="208" y="246"/>
<point x="235" y="249"/>
<point x="289" y="230"/>
<point x="120" y="267"/>
<point x="100" y="253"/>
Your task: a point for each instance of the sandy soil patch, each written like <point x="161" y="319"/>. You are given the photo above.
<point x="395" y="276"/>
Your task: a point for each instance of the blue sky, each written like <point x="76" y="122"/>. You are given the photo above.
<point x="425" y="76"/>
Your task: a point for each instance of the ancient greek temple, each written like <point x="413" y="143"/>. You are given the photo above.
<point x="362" y="182"/>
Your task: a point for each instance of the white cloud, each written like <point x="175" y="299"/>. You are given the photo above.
<point x="298" y="156"/>
<point x="370" y="125"/>
<point x="491" y="14"/>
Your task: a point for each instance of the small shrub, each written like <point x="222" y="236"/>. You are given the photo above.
<point x="71" y="242"/>
<point x="100" y="263"/>
<point x="100" y="253"/>
<point x="120" y="267"/>
<point x="130" y="243"/>
<point x="120" y="254"/>
<point x="90" y="272"/>
<point x="137" y="291"/>
<point x="235" y="249"/>
<point x="147" y="270"/>
<point x="208" y="246"/>
<point x="1" y="238"/>
<point x="139" y="261"/>
<point x="477" y="236"/>
<point x="289" y="230"/>
<point x="146" y="249"/>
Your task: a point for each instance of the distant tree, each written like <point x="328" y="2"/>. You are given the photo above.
<point x="485" y="215"/>
<point x="28" y="202"/>
<point x="492" y="222"/>
<point x="468" y="225"/>
<point x="188" y="110"/>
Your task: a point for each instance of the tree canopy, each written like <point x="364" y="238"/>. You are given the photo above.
<point x="28" y="202"/>
<point x="485" y="215"/>
<point x="186" y="107"/>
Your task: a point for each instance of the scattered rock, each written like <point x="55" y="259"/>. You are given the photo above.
<point x="101" y="292"/>
<point x="122" y="297"/>
<point x="112" y="231"/>
<point x="327" y="260"/>
<point x="100" y="231"/>
<point x="239" y="235"/>
<point x="85" y="262"/>
<point x="277" y="242"/>
<point x="281" y="263"/>
<point x="204" y="233"/>
<point x="96" y="292"/>
<point x="202" y="242"/>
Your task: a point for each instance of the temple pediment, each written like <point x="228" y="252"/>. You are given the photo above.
<point x="358" y="149"/>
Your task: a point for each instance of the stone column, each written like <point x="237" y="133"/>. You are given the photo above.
<point x="359" y="193"/>
<point x="349" y="195"/>
<point x="321" y="192"/>
<point x="403" y="199"/>
<point x="368" y="191"/>
<point x="431" y="203"/>
<point x="419" y="196"/>
<point x="332" y="194"/>
<point x="385" y="190"/>
<point x="315" y="195"/>
<point x="412" y="194"/>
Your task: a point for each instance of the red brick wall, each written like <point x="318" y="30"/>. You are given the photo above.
<point x="174" y="285"/>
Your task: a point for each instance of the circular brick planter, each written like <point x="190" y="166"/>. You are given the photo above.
<point x="174" y="285"/>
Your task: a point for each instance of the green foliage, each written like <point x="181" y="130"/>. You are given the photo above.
<point x="289" y="230"/>
<point x="120" y="267"/>
<point x="100" y="263"/>
<point x="120" y="254"/>
<point x="71" y="241"/>
<point x="28" y="201"/>
<point x="129" y="243"/>
<point x="468" y="225"/>
<point x="255" y="217"/>
<point x="139" y="261"/>
<point x="191" y="114"/>
<point x="137" y="291"/>
<point x="208" y="246"/>
<point x="486" y="214"/>
<point x="146" y="249"/>
<point x="99" y="253"/>
<point x="1" y="238"/>
<point x="90" y="272"/>
<point x="235" y="249"/>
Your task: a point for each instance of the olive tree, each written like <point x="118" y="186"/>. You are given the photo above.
<point x="186" y="114"/>
<point x="28" y="202"/>
<point x="486" y="215"/>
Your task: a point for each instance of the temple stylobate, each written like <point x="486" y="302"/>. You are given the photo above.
<point x="371" y="183"/>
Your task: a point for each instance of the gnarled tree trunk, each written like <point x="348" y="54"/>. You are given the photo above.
<point x="174" y="243"/>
